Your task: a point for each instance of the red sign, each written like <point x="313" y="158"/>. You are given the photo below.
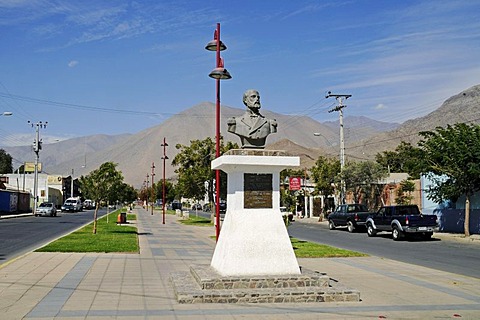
<point x="295" y="183"/>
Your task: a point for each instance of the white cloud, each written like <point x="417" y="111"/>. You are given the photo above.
<point x="380" y="106"/>
<point x="73" y="63"/>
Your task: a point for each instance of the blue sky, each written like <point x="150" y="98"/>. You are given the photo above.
<point x="114" y="67"/>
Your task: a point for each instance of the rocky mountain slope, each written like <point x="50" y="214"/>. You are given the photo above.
<point x="463" y="107"/>
<point x="135" y="153"/>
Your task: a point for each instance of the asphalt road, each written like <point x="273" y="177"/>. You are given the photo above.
<point x="23" y="234"/>
<point x="451" y="256"/>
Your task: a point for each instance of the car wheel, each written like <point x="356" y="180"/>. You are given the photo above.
<point x="371" y="232"/>
<point x="350" y="226"/>
<point x="396" y="234"/>
<point x="331" y="225"/>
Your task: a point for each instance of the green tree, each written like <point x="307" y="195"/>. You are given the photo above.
<point x="169" y="191"/>
<point x="324" y="173"/>
<point x="194" y="169"/>
<point x="404" y="193"/>
<point x="360" y="178"/>
<point x="452" y="155"/>
<point x="405" y="158"/>
<point x="287" y="197"/>
<point x="5" y="162"/>
<point x="126" y="193"/>
<point x="102" y="184"/>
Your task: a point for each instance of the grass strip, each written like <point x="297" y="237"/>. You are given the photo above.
<point x="197" y="221"/>
<point x="306" y="249"/>
<point x="302" y="248"/>
<point x="110" y="237"/>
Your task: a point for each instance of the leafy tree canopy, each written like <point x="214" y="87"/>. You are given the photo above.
<point x="360" y="176"/>
<point x="193" y="167"/>
<point x="5" y="162"/>
<point x="169" y="191"/>
<point x="405" y="158"/>
<point x="324" y="173"/>
<point x="452" y="154"/>
<point x="103" y="184"/>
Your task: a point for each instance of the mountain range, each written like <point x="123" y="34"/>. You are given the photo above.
<point x="135" y="153"/>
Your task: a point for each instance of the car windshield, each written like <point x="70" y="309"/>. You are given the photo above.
<point x="45" y="205"/>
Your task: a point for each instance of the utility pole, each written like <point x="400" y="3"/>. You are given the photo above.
<point x="339" y="108"/>
<point x="164" y="145"/>
<point x="37" y="146"/>
<point x="153" y="191"/>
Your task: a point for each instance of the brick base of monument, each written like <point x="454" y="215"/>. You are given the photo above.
<point x="204" y="285"/>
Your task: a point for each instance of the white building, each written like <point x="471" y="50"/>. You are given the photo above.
<point x="49" y="188"/>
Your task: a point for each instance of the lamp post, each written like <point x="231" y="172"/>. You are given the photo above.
<point x="6" y="113"/>
<point x="71" y="184"/>
<point x="153" y="191"/>
<point x="219" y="73"/>
<point x="148" y="181"/>
<point x="164" y="145"/>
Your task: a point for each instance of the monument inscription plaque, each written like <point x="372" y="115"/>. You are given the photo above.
<point x="257" y="190"/>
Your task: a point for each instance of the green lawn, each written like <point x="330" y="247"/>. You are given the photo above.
<point x="305" y="249"/>
<point x="302" y="249"/>
<point x="197" y="221"/>
<point x="110" y="237"/>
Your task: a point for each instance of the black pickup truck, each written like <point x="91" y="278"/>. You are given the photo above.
<point x="401" y="220"/>
<point x="353" y="216"/>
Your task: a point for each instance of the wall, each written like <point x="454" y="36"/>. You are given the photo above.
<point x="451" y="215"/>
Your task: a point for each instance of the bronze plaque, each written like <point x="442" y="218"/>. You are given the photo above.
<point x="257" y="190"/>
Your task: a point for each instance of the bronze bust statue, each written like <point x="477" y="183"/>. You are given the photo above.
<point x="252" y="127"/>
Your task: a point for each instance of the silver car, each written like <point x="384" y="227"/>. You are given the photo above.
<point x="46" y="209"/>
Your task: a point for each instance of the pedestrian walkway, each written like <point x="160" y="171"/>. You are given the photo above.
<point x="137" y="286"/>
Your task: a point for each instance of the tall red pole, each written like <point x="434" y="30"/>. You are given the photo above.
<point x="217" y="142"/>
<point x="148" y="181"/>
<point x="153" y="190"/>
<point x="163" y="187"/>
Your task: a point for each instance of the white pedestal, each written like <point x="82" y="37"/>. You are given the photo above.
<point x="253" y="241"/>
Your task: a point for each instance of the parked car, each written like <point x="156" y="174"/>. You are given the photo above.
<point x="197" y="206"/>
<point x="176" y="205"/>
<point x="88" y="204"/>
<point x="401" y="221"/>
<point x="353" y="216"/>
<point x="223" y="206"/>
<point x="46" y="209"/>
<point x="72" y="204"/>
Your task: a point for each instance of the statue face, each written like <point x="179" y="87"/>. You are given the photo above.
<point x="252" y="100"/>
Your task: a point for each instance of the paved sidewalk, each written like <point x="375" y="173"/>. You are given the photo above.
<point x="137" y="286"/>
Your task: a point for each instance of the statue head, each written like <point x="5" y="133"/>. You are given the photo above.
<point x="251" y="98"/>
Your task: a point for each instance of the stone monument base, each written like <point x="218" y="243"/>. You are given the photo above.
<point x="204" y="285"/>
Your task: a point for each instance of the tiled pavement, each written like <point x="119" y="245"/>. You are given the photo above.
<point x="137" y="286"/>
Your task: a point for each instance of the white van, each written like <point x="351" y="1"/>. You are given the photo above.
<point x="72" y="204"/>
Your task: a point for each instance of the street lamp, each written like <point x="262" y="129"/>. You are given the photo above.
<point x="164" y="145"/>
<point x="71" y="184"/>
<point x="219" y="73"/>
<point x="6" y="113"/>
